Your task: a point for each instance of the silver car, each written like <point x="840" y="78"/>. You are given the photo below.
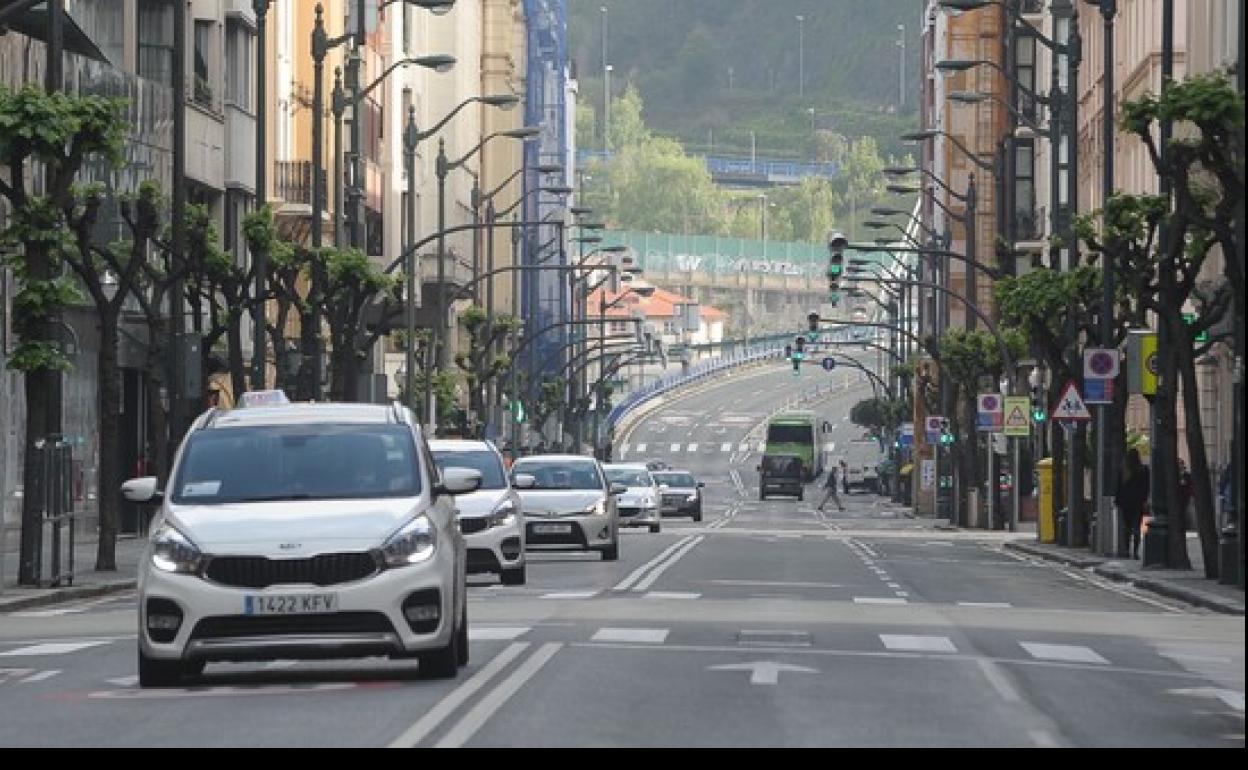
<point x="302" y="531"/>
<point x="680" y="493"/>
<point x="490" y="518"/>
<point x="639" y="505"/>
<point x="568" y="502"/>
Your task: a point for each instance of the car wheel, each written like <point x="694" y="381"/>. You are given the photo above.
<point x="762" y="495"/>
<point x="655" y="528"/>
<point x="443" y="662"/>
<point x="462" y="653"/>
<point x="516" y="576"/>
<point x="697" y="516"/>
<point x="166" y="673"/>
<point x="611" y="552"/>
<point x="801" y="494"/>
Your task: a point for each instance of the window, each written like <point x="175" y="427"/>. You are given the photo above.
<point x="204" y="59"/>
<point x="238" y="64"/>
<point x="1025" y="73"/>
<point x="487" y="463"/>
<point x="156" y="41"/>
<point x="1026" y="222"/>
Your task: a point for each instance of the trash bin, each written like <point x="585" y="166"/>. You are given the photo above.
<point x="1048" y="524"/>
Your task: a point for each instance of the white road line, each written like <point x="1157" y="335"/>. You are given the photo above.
<point x="42" y="675"/>
<point x="636" y="574"/>
<point x="638" y="635"/>
<point x="675" y="448"/>
<point x="999" y="681"/>
<point x="1064" y="652"/>
<point x="498" y="633"/>
<point x="693" y="448"/>
<point x="571" y="595"/>
<point x="878" y="600"/>
<point x="987" y="605"/>
<point x="654" y="575"/>
<point x="457" y="697"/>
<point x="725" y="447"/>
<point x="50" y="649"/>
<point x="898" y="642"/>
<point x="1043" y="739"/>
<point x="641" y="448"/>
<point x="671" y="595"/>
<point x="493" y="701"/>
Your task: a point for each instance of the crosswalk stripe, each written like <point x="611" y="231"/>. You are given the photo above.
<point x="725" y="447"/>
<point x="675" y="447"/>
<point x="641" y="447"/>
<point x="745" y="447"/>
<point x="693" y="447"/>
<point x="917" y="643"/>
<point x="638" y="635"/>
<point x="42" y="675"/>
<point x="1064" y="652"/>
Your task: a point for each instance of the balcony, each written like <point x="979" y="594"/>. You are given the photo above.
<point x="292" y="182"/>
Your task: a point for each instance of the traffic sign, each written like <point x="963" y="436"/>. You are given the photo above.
<point x="990" y="415"/>
<point x="905" y="434"/>
<point x="828" y="364"/>
<point x="931" y="427"/>
<point x="1100" y="363"/>
<point x="1097" y="391"/>
<point x="1016" y="421"/>
<point x="1071" y="407"/>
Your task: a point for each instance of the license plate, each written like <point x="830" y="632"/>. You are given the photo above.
<point x="290" y="604"/>
<point x="552" y="529"/>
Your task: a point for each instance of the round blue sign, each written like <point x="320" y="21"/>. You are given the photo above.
<point x="829" y="364"/>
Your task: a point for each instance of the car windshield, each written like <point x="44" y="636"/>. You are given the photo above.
<point x="782" y="464"/>
<point x="789" y="434"/>
<point x="629" y="477"/>
<point x="550" y="474"/>
<point x="485" y="461"/>
<point x="675" y="479"/>
<point x="297" y="462"/>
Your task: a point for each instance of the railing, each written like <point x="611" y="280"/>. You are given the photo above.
<point x="743" y="167"/>
<point x="292" y="181"/>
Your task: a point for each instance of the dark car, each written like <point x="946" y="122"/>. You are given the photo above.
<point x="781" y="474"/>
<point x="681" y="493"/>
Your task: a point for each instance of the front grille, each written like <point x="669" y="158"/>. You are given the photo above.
<point x="575" y="537"/>
<point x="673" y="499"/>
<point x="473" y="525"/>
<point x="258" y="572"/>
<point x="286" y="625"/>
<point x="626" y="512"/>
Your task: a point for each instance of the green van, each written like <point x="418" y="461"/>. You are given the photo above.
<point x="797" y="433"/>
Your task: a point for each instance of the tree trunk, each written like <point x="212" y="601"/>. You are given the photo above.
<point x="238" y="366"/>
<point x="1202" y="485"/>
<point x="108" y="494"/>
<point x="158" y="417"/>
<point x="306" y="386"/>
<point x="38" y="396"/>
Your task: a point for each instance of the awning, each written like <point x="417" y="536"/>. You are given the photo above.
<point x="34" y="23"/>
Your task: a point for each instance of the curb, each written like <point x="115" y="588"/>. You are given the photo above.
<point x="58" y="595"/>
<point x="1160" y="587"/>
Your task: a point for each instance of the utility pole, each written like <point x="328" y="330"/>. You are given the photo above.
<point x="901" y="67"/>
<point x="801" y="55"/>
<point x="1105" y="459"/>
<point x="261" y="8"/>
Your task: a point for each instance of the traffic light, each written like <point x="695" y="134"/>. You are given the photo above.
<point x="788" y="351"/>
<point x="799" y="353"/>
<point x="1038" y="413"/>
<point x="837" y="244"/>
<point x="800" y="343"/>
<point x="812" y="318"/>
<point x="946" y="433"/>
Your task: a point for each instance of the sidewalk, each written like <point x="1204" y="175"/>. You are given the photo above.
<point x="1189" y="585"/>
<point x="86" y="581"/>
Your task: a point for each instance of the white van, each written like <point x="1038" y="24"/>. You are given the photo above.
<point x="862" y="458"/>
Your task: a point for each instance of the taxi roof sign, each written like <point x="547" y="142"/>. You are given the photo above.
<point x="254" y="398"/>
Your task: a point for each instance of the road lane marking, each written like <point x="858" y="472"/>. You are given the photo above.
<point x="693" y="448"/>
<point x="457" y="697"/>
<point x="903" y="643"/>
<point x="641" y="448"/>
<point x="675" y="448"/>
<point x="987" y="605"/>
<point x="678" y="595"/>
<point x="494" y="700"/>
<point x="637" y="635"/>
<point x="50" y="649"/>
<point x="636" y="574"/>
<point x="999" y="681"/>
<point x="764" y="672"/>
<point x="497" y="633"/>
<point x="725" y="447"/>
<point x="655" y="574"/>
<point x="878" y="600"/>
<point x="1068" y="653"/>
<point x="42" y="675"/>
<point x="570" y="595"/>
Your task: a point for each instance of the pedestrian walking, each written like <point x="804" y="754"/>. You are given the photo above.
<point x="844" y="477"/>
<point x="830" y="485"/>
<point x="1132" y="500"/>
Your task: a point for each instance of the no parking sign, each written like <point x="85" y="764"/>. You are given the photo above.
<point x="991" y="414"/>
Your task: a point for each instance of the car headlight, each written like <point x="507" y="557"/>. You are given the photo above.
<point x="412" y="544"/>
<point x="504" y="514"/>
<point x="649" y="502"/>
<point x="692" y="498"/>
<point x="596" y="508"/>
<point x="173" y="551"/>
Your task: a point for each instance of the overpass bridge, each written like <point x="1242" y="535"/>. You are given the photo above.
<point x="762" y="285"/>
<point x="745" y="172"/>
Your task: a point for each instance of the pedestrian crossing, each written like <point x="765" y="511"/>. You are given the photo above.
<point x="693" y="447"/>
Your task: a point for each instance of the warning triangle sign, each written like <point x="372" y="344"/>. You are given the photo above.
<point x="1070" y="407"/>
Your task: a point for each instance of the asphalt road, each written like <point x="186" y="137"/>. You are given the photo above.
<point x="768" y="624"/>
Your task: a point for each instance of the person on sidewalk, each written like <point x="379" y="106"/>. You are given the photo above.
<point x="844" y="478"/>
<point x="1131" y="500"/>
<point x="830" y="485"/>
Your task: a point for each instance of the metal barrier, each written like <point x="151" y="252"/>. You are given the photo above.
<point x="56" y="502"/>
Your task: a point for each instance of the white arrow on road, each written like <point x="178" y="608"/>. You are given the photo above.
<point x="1231" y="698"/>
<point x="763" y="671"/>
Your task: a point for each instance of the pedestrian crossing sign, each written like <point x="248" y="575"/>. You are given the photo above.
<point x="1071" y="407"/>
<point x="1017" y="416"/>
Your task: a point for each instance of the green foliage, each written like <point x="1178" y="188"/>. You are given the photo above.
<point x="965" y="356"/>
<point x="880" y="415"/>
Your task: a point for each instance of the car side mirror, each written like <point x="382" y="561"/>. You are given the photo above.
<point x="618" y="489"/>
<point x="701" y="484"/>
<point x="142" y="490"/>
<point x="524" y="481"/>
<point x="459" y="481"/>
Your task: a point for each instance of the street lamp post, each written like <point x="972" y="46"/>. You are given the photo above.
<point x="261" y="8"/>
<point x="801" y="55"/>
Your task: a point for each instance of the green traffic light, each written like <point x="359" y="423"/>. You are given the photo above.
<point x="1038" y="415"/>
